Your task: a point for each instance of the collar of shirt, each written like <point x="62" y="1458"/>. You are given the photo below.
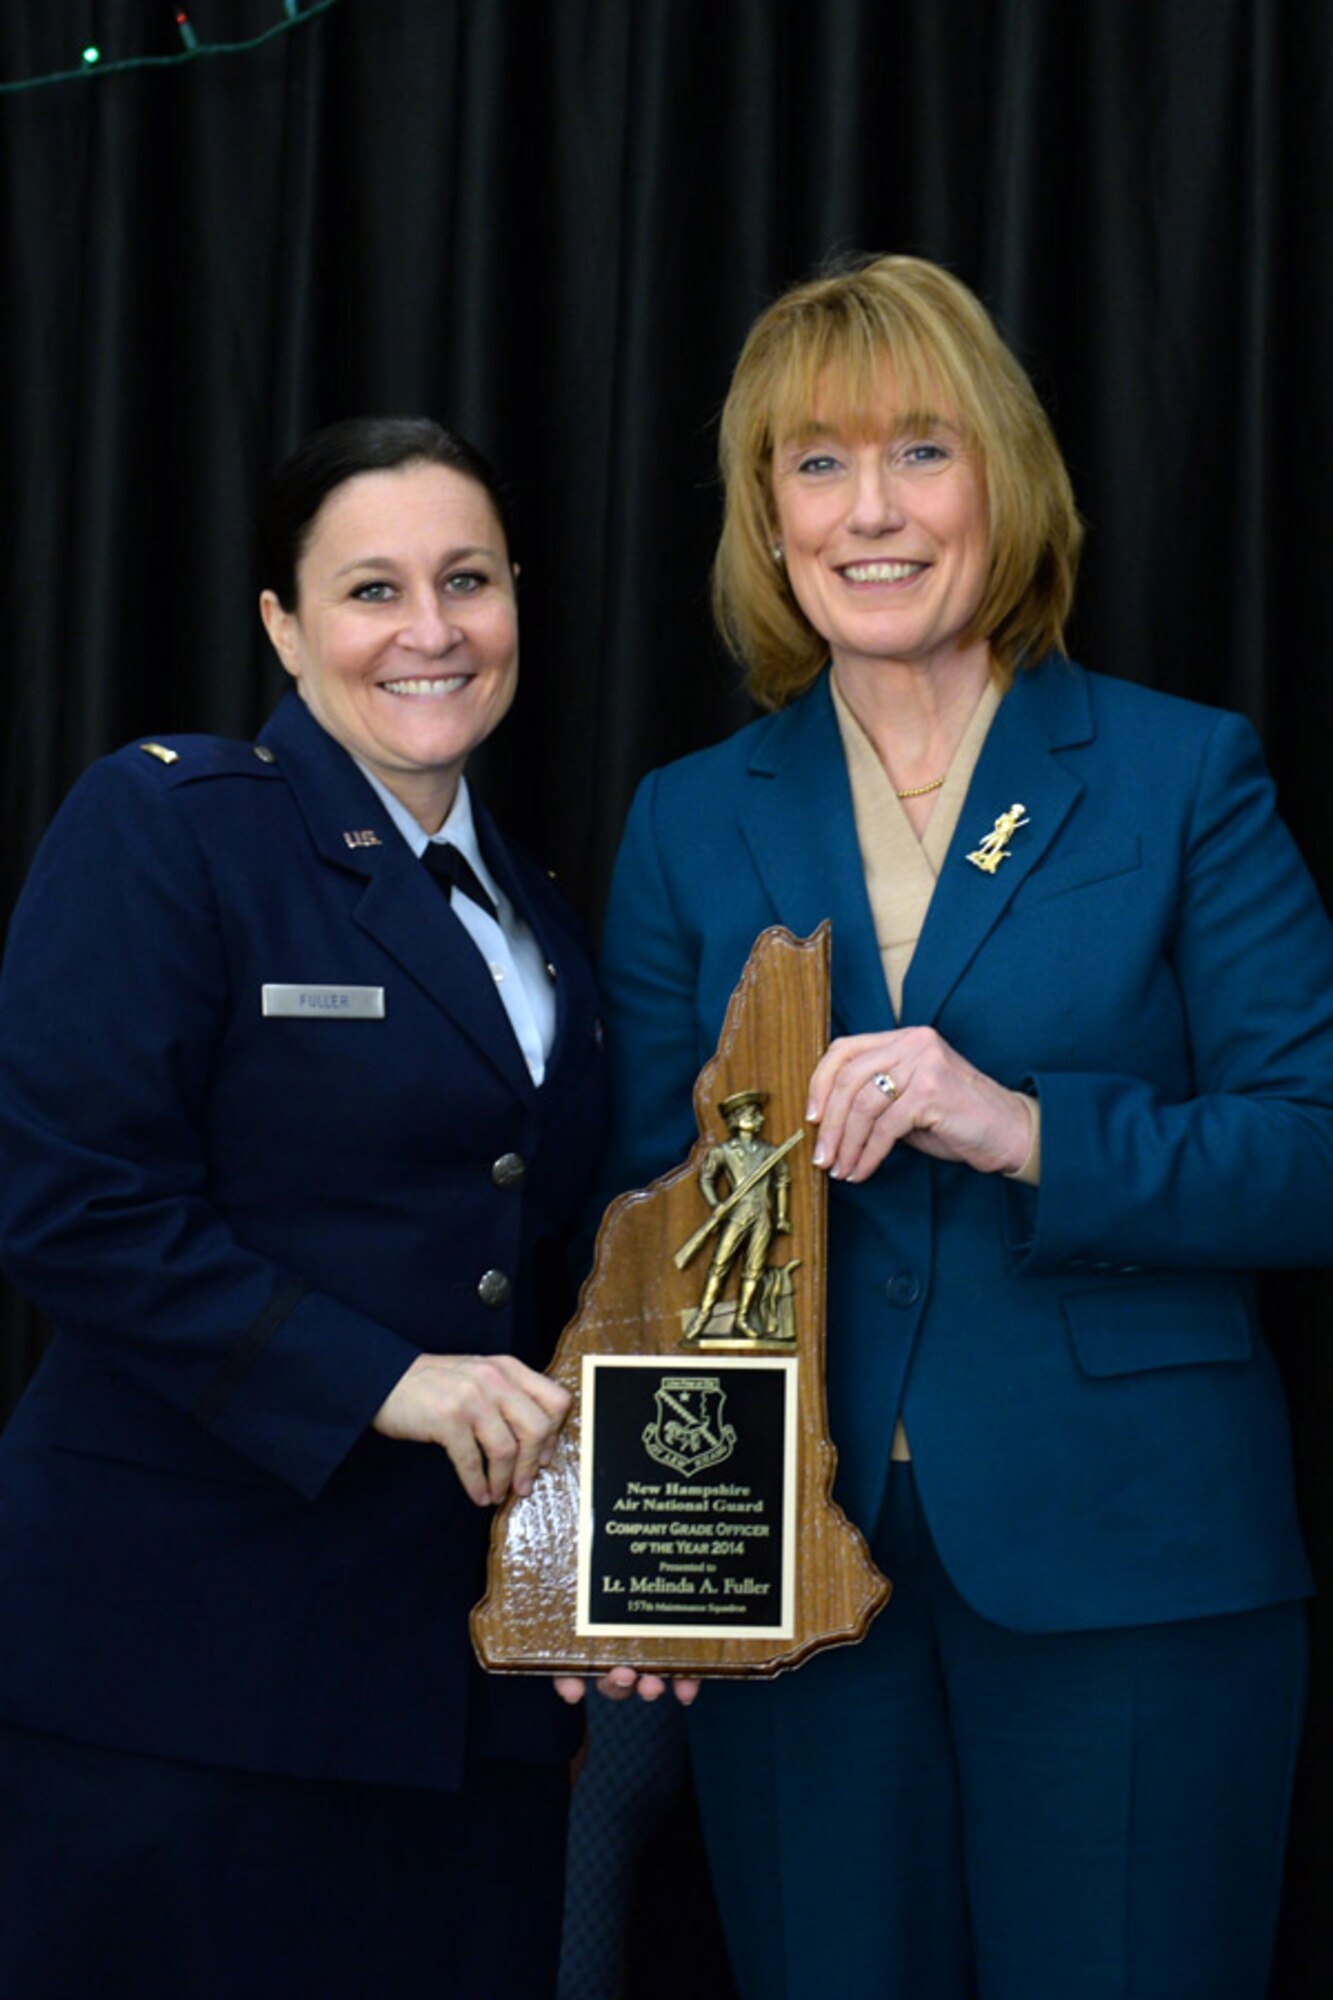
<point x="522" y="977"/>
<point x="459" y="830"/>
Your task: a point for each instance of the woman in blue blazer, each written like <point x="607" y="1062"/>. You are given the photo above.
<point x="1081" y="1089"/>
<point x="290" y="1141"/>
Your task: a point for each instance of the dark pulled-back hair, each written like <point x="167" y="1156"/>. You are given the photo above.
<point x="327" y="459"/>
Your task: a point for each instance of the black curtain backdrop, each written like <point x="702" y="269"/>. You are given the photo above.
<point x="550" y="222"/>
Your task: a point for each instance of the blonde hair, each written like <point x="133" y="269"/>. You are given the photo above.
<point x="835" y="339"/>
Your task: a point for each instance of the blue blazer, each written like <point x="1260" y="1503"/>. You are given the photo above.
<point x="1098" y="1429"/>
<point x="245" y="1228"/>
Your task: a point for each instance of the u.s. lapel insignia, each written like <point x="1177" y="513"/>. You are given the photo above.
<point x="365" y="837"/>
<point x="995" y="847"/>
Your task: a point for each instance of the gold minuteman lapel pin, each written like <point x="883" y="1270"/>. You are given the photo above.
<point x="995" y="847"/>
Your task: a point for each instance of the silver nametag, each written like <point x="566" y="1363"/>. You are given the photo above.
<point x="325" y="1003"/>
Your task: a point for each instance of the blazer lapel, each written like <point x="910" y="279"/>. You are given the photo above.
<point x="404" y="912"/>
<point x="400" y="906"/>
<point x="1044" y="711"/>
<point x="798" y="823"/>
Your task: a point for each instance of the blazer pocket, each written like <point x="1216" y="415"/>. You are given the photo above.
<point x="1082" y="871"/>
<point x="1168" y="1323"/>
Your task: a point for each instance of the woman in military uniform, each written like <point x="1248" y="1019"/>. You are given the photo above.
<point x="289" y="1141"/>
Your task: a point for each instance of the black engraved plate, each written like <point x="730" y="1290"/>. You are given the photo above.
<point x="688" y="1486"/>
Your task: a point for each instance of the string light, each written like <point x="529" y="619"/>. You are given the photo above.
<point x="295" y="15"/>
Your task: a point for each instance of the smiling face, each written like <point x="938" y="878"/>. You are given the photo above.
<point x="404" y="640"/>
<point x="885" y="536"/>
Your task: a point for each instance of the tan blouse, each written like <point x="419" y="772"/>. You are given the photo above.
<point x="901" y="867"/>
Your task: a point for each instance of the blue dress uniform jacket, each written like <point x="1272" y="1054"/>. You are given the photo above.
<point x="1098" y="1429"/>
<point x="246" y="1227"/>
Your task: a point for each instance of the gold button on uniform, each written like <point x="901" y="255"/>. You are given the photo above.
<point x="509" y="1170"/>
<point x="493" y="1288"/>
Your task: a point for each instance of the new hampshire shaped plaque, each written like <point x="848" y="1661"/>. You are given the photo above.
<point x="686" y="1523"/>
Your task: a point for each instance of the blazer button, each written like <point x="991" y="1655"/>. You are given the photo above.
<point x="509" y="1170"/>
<point x="903" y="1289"/>
<point x="493" y="1288"/>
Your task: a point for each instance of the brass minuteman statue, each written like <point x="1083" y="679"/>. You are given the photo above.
<point x="746" y="1219"/>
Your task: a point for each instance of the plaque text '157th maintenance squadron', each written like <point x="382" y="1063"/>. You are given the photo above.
<point x="686" y="1524"/>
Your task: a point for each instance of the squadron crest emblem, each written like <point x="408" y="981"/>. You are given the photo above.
<point x="688" y="1433"/>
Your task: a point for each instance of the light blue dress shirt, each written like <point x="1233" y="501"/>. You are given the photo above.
<point x="517" y="965"/>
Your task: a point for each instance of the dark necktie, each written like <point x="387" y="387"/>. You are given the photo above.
<point x="453" y="870"/>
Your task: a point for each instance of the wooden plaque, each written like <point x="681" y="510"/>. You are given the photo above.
<point x="685" y="1524"/>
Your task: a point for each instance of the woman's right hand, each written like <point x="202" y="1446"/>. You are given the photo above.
<point x="622" y="1682"/>
<point x="496" y="1418"/>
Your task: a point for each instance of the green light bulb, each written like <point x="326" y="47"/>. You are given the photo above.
<point x="92" y="54"/>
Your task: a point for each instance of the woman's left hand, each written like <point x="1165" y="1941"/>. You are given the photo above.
<point x="870" y="1093"/>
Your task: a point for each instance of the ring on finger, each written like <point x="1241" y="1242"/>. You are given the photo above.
<point x="884" y="1082"/>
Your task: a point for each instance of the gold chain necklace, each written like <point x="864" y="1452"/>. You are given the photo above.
<point x="919" y="791"/>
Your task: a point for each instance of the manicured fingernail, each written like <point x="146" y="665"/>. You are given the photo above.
<point x="819" y="1156"/>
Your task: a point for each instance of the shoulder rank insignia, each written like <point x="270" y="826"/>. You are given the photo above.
<point x="161" y="752"/>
